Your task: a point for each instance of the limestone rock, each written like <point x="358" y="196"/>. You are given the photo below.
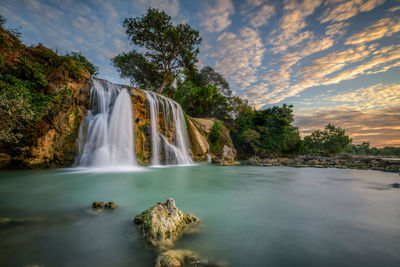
<point x="164" y="223"/>
<point x="198" y="141"/>
<point x="228" y="157"/>
<point x="183" y="258"/>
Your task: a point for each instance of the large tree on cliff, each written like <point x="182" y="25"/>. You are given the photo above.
<point x="160" y="50"/>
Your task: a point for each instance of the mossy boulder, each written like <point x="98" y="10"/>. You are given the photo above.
<point x="164" y="223"/>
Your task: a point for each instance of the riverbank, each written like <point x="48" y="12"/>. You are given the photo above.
<point x="341" y="162"/>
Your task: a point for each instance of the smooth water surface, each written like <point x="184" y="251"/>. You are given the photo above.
<point x="252" y="216"/>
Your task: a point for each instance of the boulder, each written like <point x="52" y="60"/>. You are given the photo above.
<point x="228" y="157"/>
<point x="182" y="258"/>
<point x="164" y="223"/>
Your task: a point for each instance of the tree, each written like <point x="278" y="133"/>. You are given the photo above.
<point x="268" y="131"/>
<point x="252" y="138"/>
<point x="161" y="50"/>
<point x="333" y="140"/>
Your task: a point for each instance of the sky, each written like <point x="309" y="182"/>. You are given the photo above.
<point x="335" y="61"/>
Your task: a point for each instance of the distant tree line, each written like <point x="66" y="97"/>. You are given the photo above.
<point x="364" y="149"/>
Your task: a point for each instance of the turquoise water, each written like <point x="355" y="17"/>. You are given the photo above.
<point x="252" y="216"/>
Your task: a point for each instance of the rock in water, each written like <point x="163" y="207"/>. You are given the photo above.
<point x="164" y="223"/>
<point x="98" y="204"/>
<point x="228" y="157"/>
<point x="182" y="258"/>
<point x="110" y="205"/>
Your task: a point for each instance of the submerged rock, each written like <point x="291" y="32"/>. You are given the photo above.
<point x="164" y="223"/>
<point x="102" y="205"/>
<point x="98" y="204"/>
<point x="182" y="258"/>
<point x="110" y="205"/>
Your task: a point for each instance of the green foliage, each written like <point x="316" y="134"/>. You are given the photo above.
<point x="215" y="133"/>
<point x="252" y="137"/>
<point x="205" y="93"/>
<point x="199" y="101"/>
<point x="27" y="92"/>
<point x="167" y="48"/>
<point x="266" y="132"/>
<point x="83" y="61"/>
<point x="14" y="113"/>
<point x="141" y="72"/>
<point x="330" y="141"/>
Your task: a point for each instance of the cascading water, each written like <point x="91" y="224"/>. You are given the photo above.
<point x="106" y="136"/>
<point x="176" y="151"/>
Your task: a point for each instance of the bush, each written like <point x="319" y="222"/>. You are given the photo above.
<point x="83" y="61"/>
<point x="216" y="132"/>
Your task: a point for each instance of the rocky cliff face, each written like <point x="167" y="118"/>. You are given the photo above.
<point x="54" y="140"/>
<point x="53" y="90"/>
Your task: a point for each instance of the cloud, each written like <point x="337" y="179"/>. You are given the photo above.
<point x="171" y="7"/>
<point x="216" y="15"/>
<point x="382" y="28"/>
<point x="239" y="56"/>
<point x="344" y="10"/>
<point x="379" y="127"/>
<point x="261" y="16"/>
<point x="336" y="29"/>
<point x="376" y="96"/>
<point x="381" y="58"/>
<point x="293" y="21"/>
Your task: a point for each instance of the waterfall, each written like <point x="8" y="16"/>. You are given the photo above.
<point x="106" y="136"/>
<point x="176" y="149"/>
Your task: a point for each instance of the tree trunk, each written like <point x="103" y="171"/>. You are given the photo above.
<point x="163" y="84"/>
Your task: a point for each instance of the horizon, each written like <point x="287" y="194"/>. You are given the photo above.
<point x="336" y="61"/>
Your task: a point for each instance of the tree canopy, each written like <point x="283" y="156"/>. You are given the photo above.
<point x="266" y="132"/>
<point x="331" y="141"/>
<point x="161" y="50"/>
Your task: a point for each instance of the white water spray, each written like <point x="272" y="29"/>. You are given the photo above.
<point x="176" y="152"/>
<point x="106" y="136"/>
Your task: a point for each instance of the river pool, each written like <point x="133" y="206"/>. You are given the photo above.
<point x="252" y="216"/>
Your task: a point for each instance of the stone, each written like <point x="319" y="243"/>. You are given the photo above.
<point x="98" y="204"/>
<point x="164" y="223"/>
<point x="110" y="205"/>
<point x="198" y="141"/>
<point x="228" y="157"/>
<point x="184" y="258"/>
